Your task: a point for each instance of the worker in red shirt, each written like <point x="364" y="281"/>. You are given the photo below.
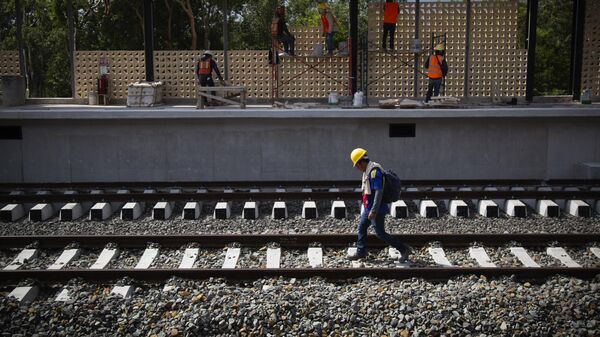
<point x="391" y="9"/>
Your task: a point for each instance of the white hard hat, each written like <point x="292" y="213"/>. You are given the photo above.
<point x="208" y="52"/>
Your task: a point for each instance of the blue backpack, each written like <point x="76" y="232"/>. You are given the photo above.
<point x="391" y="186"/>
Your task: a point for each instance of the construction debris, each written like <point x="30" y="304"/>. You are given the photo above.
<point x="389" y="103"/>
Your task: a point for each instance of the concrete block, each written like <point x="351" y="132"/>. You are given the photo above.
<point x="41" y="212"/>
<point x="250" y="211"/>
<point x="254" y="190"/>
<point x="273" y="257"/>
<point x="315" y="257"/>
<point x="222" y="210"/>
<point x="25" y="294"/>
<point x="439" y="256"/>
<point x="191" y="210"/>
<point x="579" y="208"/>
<point x="67" y="256"/>
<point x="279" y="210"/>
<point x="480" y="255"/>
<point x="280" y="190"/>
<point x="63" y="296"/>
<point x="515" y="208"/>
<point x="71" y="211"/>
<point x="428" y="209"/>
<point x="521" y="254"/>
<point x="547" y="208"/>
<point x="189" y="258"/>
<point x="131" y="211"/>
<point x="306" y="190"/>
<point x="338" y="209"/>
<point x="123" y="291"/>
<point x="309" y="210"/>
<point x="458" y="208"/>
<point x="399" y="209"/>
<point x="147" y="258"/>
<point x="561" y="254"/>
<point x="105" y="257"/>
<point x="12" y="212"/>
<point x="101" y="211"/>
<point x="488" y="208"/>
<point x="162" y="210"/>
<point x="231" y="258"/>
<point x="23" y="256"/>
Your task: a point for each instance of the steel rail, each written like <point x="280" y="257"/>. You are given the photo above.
<point x="297" y="183"/>
<point x="160" y="275"/>
<point x="348" y="195"/>
<point x="293" y="241"/>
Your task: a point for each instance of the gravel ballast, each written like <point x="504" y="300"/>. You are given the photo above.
<point x="315" y="307"/>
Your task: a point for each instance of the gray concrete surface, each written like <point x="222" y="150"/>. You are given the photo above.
<point x="183" y="144"/>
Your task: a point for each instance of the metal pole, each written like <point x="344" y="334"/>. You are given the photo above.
<point x="225" y="40"/>
<point x="532" y="12"/>
<point x="19" y="23"/>
<point x="71" y="33"/>
<point x="577" y="47"/>
<point x="149" y="40"/>
<point x="416" y="75"/>
<point x="353" y="44"/>
<point x="467" y="51"/>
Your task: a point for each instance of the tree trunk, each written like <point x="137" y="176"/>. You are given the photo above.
<point x="187" y="8"/>
<point x="169" y="23"/>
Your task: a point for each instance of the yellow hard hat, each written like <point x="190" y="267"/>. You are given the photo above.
<point x="323" y="5"/>
<point x="357" y="154"/>
<point x="439" y="47"/>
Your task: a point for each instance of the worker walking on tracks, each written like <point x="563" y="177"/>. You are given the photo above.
<point x="280" y="31"/>
<point x="328" y="26"/>
<point x="204" y="69"/>
<point x="391" y="9"/>
<point x="437" y="68"/>
<point x="374" y="209"/>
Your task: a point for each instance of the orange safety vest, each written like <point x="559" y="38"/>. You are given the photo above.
<point x="204" y="67"/>
<point x="325" y="23"/>
<point x="390" y="12"/>
<point x="435" y="67"/>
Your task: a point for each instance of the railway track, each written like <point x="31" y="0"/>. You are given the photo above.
<point x="312" y="256"/>
<point x="487" y="197"/>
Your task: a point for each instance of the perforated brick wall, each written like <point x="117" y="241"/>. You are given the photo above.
<point x="9" y="62"/>
<point x="590" y="78"/>
<point x="124" y="67"/>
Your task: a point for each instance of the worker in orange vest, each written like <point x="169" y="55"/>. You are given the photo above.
<point x="437" y="68"/>
<point x="328" y="26"/>
<point x="391" y="9"/>
<point x="204" y="69"/>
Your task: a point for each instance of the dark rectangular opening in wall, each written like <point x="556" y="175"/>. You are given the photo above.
<point x="10" y="132"/>
<point x="402" y="130"/>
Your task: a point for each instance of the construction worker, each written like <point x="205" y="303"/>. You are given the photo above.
<point x="279" y="31"/>
<point x="391" y="9"/>
<point x="328" y="26"/>
<point x="204" y="69"/>
<point x="437" y="68"/>
<point x="373" y="210"/>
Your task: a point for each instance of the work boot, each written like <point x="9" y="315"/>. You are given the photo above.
<point x="357" y="256"/>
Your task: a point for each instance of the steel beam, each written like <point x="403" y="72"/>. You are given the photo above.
<point x="417" y="55"/>
<point x="353" y="44"/>
<point x="532" y="13"/>
<point x="577" y="47"/>
<point x="149" y="40"/>
<point x="466" y="83"/>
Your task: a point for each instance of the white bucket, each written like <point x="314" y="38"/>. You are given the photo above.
<point x="333" y="98"/>
<point x="93" y="98"/>
<point x="358" y="99"/>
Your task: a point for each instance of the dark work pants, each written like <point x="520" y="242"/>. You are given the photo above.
<point x="207" y="81"/>
<point x="379" y="225"/>
<point x="389" y="28"/>
<point x="433" y="86"/>
<point x="288" y="43"/>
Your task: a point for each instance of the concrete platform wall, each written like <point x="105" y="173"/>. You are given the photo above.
<point x="172" y="149"/>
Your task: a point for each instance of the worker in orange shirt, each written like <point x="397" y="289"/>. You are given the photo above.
<point x="391" y="9"/>
<point x="437" y="68"/>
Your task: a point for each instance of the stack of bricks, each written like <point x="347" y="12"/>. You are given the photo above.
<point x="9" y="63"/>
<point x="125" y="67"/>
<point x="590" y="78"/>
<point x="497" y="65"/>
